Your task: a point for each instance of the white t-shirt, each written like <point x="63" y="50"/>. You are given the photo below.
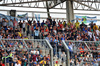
<point x="90" y="34"/>
<point x="24" y="25"/>
<point x="97" y="31"/>
<point x="17" y="64"/>
<point x="37" y="52"/>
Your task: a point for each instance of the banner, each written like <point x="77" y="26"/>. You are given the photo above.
<point x="91" y="19"/>
<point x="37" y="16"/>
<point x="23" y="17"/>
<point x="86" y="19"/>
<point x="81" y="19"/>
<point x="7" y="17"/>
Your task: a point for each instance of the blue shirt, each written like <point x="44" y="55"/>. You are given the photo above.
<point x="62" y="38"/>
<point x="36" y="33"/>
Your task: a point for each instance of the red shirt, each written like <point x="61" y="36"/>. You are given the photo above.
<point x="2" y="64"/>
<point x="34" y="57"/>
<point x="61" y="25"/>
<point x="81" y="50"/>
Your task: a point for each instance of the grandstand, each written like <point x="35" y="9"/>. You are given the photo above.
<point x="48" y="33"/>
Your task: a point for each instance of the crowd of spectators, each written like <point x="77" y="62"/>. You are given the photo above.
<point x="53" y="31"/>
<point x="79" y="52"/>
<point x="17" y="54"/>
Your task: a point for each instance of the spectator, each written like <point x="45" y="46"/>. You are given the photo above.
<point x="10" y="23"/>
<point x="95" y="27"/>
<point x="42" y="24"/>
<point x="91" y="25"/>
<point x="2" y="64"/>
<point x="30" y="21"/>
<point x="23" y="25"/>
<point x="77" y="24"/>
<point x="20" y="24"/>
<point x="69" y="23"/>
<point x="57" y="64"/>
<point x="63" y="56"/>
<point x="36" y="35"/>
<point x="15" y="23"/>
<point x="17" y="64"/>
<point x="82" y="25"/>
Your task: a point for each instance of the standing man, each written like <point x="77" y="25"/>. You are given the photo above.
<point x="15" y="23"/>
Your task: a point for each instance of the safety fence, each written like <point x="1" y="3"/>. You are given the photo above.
<point x="41" y="51"/>
<point x="33" y="52"/>
<point x="26" y="52"/>
<point x="84" y="53"/>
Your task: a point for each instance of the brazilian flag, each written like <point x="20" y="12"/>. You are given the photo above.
<point x="84" y="19"/>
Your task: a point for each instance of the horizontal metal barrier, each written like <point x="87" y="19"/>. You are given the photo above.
<point x="26" y="51"/>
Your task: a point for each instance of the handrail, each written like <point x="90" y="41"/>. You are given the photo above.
<point x="50" y="52"/>
<point x="68" y="56"/>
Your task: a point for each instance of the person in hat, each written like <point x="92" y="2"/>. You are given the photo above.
<point x="57" y="64"/>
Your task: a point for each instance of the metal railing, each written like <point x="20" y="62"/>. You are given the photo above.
<point x="26" y="47"/>
<point x="82" y="52"/>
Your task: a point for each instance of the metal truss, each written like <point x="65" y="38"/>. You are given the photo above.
<point x="89" y="5"/>
<point x="31" y="3"/>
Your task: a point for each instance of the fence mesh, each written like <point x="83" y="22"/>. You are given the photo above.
<point x="87" y="52"/>
<point x="25" y="52"/>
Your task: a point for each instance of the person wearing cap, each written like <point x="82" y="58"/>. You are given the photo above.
<point x="57" y="64"/>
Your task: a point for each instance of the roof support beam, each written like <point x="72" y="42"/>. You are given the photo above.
<point x="85" y="5"/>
<point x="48" y="13"/>
<point x="22" y="2"/>
<point x="56" y="4"/>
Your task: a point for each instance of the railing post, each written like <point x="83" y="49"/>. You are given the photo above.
<point x="68" y="56"/>
<point x="27" y="50"/>
<point x="51" y="52"/>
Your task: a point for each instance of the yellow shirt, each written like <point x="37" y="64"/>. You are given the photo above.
<point x="25" y="38"/>
<point x="56" y="64"/>
<point x="95" y="27"/>
<point x="69" y="23"/>
<point x="77" y="24"/>
<point x="42" y="62"/>
<point x="99" y="29"/>
<point x="64" y="23"/>
<point x="19" y="34"/>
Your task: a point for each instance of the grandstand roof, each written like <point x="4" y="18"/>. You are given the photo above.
<point x="80" y="5"/>
<point x="52" y="3"/>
